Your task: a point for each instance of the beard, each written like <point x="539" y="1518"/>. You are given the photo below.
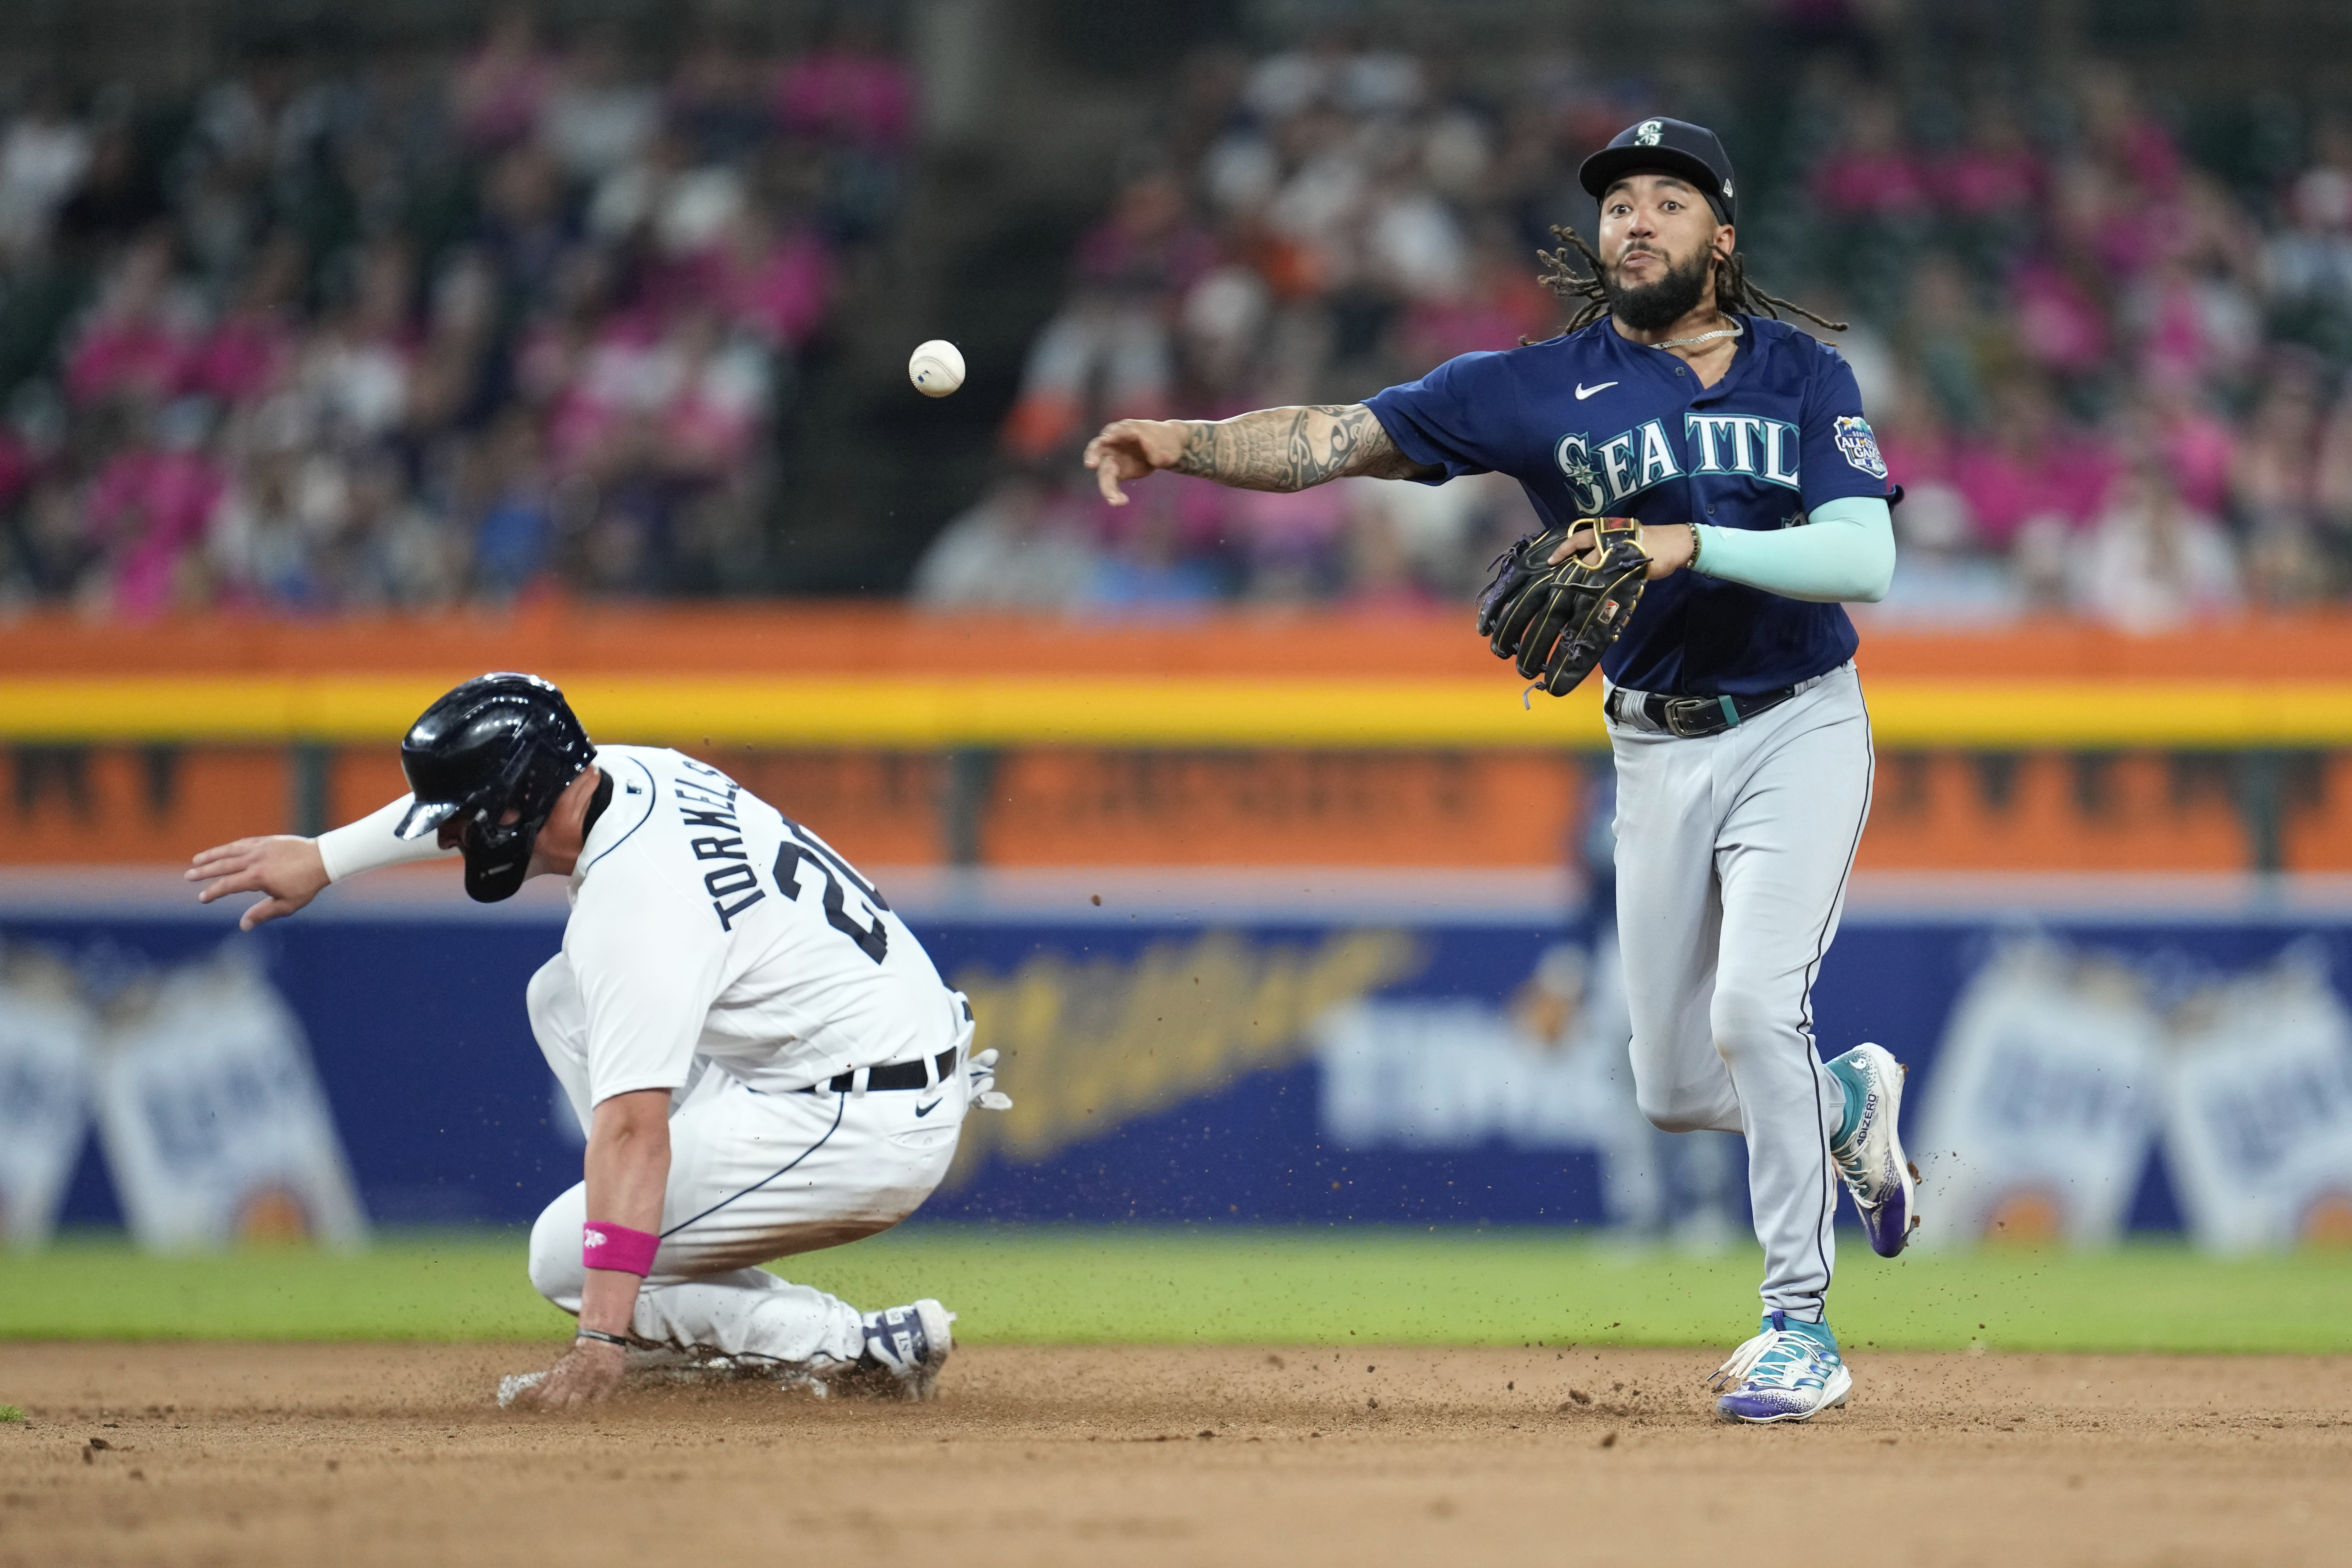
<point x="1655" y="307"/>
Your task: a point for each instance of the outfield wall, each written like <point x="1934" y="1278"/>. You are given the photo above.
<point x="2088" y="1056"/>
<point x="1232" y="740"/>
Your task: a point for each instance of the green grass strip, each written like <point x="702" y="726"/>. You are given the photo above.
<point x="431" y="1285"/>
<point x="1137" y="1284"/>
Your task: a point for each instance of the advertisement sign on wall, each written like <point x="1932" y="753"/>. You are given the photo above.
<point x="2044" y="1104"/>
<point x="45" y="1029"/>
<point x="213" y="1124"/>
<point x="2079" y="1079"/>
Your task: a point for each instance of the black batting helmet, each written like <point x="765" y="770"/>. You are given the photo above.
<point x="499" y="743"/>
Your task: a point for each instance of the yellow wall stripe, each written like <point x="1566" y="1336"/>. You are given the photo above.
<point x="1144" y="713"/>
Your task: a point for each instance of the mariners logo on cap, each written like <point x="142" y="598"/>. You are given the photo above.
<point x="1648" y="133"/>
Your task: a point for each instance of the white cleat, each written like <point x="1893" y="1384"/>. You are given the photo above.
<point x="1884" y="1181"/>
<point x="909" y="1345"/>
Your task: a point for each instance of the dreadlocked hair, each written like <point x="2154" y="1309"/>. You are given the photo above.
<point x="1733" y="292"/>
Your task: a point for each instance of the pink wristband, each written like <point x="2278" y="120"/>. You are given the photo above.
<point x="617" y="1247"/>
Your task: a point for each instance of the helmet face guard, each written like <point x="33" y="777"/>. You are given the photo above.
<point x="494" y="755"/>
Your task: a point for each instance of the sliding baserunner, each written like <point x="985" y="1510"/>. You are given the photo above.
<point x="765" y="1058"/>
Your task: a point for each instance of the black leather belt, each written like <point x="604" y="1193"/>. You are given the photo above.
<point x="1692" y="718"/>
<point x="897" y="1075"/>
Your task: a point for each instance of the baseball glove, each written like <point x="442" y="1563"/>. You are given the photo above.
<point x="1557" y="621"/>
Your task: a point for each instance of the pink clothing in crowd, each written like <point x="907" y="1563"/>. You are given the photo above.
<point x="132" y="356"/>
<point x="867" y="100"/>
<point x="2006" y="489"/>
<point x="2058" y="325"/>
<point x="782" y="295"/>
<point x="2198" y="451"/>
<point x="2144" y="151"/>
<point x="241" y="358"/>
<point x="1979" y="182"/>
<point x="618" y="377"/>
<point x="18" y="463"/>
<point x="1916" y="462"/>
<point x="502" y="89"/>
<point x="148" y="507"/>
<point x="1888" y="184"/>
<point x="710" y="425"/>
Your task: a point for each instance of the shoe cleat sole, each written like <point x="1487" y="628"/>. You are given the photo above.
<point x="1749" y="1410"/>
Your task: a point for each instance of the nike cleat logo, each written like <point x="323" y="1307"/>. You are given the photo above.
<point x="926" y="1110"/>
<point x="1583" y="391"/>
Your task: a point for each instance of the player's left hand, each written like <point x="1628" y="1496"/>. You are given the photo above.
<point x="985" y="1091"/>
<point x="287" y="869"/>
<point x="1670" y="546"/>
<point x="589" y="1371"/>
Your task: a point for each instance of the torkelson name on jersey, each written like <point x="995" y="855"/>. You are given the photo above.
<point x="709" y="802"/>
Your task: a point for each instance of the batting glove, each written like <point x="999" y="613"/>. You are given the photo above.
<point x="983" y="1068"/>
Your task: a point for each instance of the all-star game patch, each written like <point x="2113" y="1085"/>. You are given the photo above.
<point x="1860" y="447"/>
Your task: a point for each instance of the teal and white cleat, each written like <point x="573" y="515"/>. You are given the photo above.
<point x="1790" y="1372"/>
<point x="1884" y="1181"/>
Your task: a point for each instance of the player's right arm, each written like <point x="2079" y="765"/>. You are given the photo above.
<point x="290" y="870"/>
<point x="1271" y="449"/>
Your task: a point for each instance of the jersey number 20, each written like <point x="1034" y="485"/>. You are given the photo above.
<point x="873" y="940"/>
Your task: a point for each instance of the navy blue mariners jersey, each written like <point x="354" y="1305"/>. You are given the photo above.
<point x="1595" y="425"/>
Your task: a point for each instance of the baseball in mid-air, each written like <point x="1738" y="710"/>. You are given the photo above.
<point x="936" y="368"/>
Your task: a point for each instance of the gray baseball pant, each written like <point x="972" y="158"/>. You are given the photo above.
<point x="1733" y="852"/>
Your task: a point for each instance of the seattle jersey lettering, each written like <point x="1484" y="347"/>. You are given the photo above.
<point x="1598" y="478"/>
<point x="1762" y="445"/>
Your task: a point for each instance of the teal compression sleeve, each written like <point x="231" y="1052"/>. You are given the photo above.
<point x="1846" y="551"/>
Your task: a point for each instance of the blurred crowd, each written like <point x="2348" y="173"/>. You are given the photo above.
<point x="431" y="330"/>
<point x="427" y="329"/>
<point x="2112" y="382"/>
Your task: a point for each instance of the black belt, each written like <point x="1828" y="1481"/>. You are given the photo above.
<point x="898" y="1075"/>
<point x="1691" y="718"/>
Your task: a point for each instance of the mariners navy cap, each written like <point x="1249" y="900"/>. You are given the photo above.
<point x="1675" y="147"/>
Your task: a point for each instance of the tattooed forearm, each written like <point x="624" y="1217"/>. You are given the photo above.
<point x="1294" y="448"/>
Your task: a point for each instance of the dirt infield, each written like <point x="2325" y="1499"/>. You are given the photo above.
<point x="356" y="1455"/>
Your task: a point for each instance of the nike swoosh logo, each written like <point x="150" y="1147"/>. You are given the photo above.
<point x="1583" y="391"/>
<point x="926" y="1110"/>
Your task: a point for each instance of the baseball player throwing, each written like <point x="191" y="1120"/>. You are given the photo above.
<point x="764" y="1056"/>
<point x="1679" y="419"/>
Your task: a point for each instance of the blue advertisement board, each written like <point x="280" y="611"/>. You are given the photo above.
<point x="1323" y="1070"/>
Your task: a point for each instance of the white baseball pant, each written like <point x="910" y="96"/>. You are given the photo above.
<point x="752" y="1177"/>
<point x="1733" y="852"/>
